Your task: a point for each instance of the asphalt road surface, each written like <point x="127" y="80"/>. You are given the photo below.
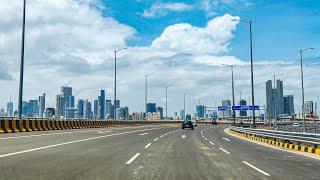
<point x="146" y="152"/>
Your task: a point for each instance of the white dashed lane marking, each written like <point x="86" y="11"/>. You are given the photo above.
<point x="133" y="158"/>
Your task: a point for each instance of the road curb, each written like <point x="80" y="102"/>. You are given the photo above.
<point x="290" y="146"/>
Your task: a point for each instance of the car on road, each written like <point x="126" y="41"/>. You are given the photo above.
<point x="187" y="124"/>
<point x="194" y="122"/>
<point x="214" y="122"/>
<point x="295" y="125"/>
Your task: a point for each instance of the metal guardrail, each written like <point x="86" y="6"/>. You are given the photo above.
<point x="302" y="138"/>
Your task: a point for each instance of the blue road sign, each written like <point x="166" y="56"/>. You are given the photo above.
<point x="222" y="108"/>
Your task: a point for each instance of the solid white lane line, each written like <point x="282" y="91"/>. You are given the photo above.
<point x="147" y="145"/>
<point x="183" y="136"/>
<point x="143" y="134"/>
<point x="133" y="158"/>
<point x="257" y="169"/>
<point x="224" y="150"/>
<point x="226" y="139"/>
<point x="155" y="139"/>
<point x="72" y="142"/>
<point x="211" y="143"/>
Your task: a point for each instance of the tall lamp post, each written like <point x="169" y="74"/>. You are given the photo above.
<point x="302" y="87"/>
<point x="22" y="61"/>
<point x="251" y="61"/>
<point x="233" y="103"/>
<point x="167" y="86"/>
<point x="146" y="91"/>
<point x="275" y="99"/>
<point x="115" y="82"/>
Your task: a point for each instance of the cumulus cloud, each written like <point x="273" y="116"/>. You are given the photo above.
<point x="212" y="7"/>
<point x="211" y="39"/>
<point x="161" y="9"/>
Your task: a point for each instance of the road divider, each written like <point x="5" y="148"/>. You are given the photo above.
<point x="282" y="141"/>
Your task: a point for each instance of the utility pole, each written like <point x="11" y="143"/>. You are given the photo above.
<point x="22" y="61"/>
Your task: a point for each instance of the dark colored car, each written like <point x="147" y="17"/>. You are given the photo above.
<point x="187" y="124"/>
<point x="214" y="122"/>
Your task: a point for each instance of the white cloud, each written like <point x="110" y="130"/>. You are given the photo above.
<point x="212" y="7"/>
<point x="185" y="38"/>
<point x="161" y="9"/>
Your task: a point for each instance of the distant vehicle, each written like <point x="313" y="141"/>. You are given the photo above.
<point x="295" y="125"/>
<point x="214" y="122"/>
<point x="187" y="124"/>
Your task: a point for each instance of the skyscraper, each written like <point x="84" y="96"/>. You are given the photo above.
<point x="87" y="110"/>
<point x="200" y="110"/>
<point x="80" y="107"/>
<point x="42" y="104"/>
<point x="25" y="109"/>
<point x="151" y="107"/>
<point x="308" y="108"/>
<point x="10" y="108"/>
<point x="160" y="111"/>
<point x="95" y="109"/>
<point x="274" y="99"/>
<point x="33" y="108"/>
<point x="288" y="105"/>
<point x="117" y="105"/>
<point x="101" y="104"/>
<point x="109" y="109"/>
<point x="71" y="101"/>
<point x="60" y="106"/>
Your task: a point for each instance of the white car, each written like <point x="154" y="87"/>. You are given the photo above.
<point x="295" y="125"/>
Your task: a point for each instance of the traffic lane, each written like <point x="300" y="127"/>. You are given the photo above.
<point x="21" y="144"/>
<point x="103" y="158"/>
<point x="279" y="164"/>
<point x="184" y="155"/>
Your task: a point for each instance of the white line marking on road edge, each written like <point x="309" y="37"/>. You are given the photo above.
<point x="155" y="139"/>
<point x="211" y="143"/>
<point x="133" y="158"/>
<point x="147" y="145"/>
<point x="226" y="139"/>
<point x="224" y="150"/>
<point x="72" y="142"/>
<point x="183" y="136"/>
<point x="252" y="166"/>
<point x="143" y="134"/>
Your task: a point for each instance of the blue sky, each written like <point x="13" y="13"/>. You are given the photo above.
<point x="280" y="27"/>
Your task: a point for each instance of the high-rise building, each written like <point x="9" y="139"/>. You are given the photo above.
<point x="117" y="105"/>
<point x="288" y="105"/>
<point x="182" y="114"/>
<point x="109" y="109"/>
<point x="60" y="106"/>
<point x="95" y="109"/>
<point x="228" y="112"/>
<point x="2" y="112"/>
<point x="101" y="104"/>
<point x="243" y="103"/>
<point x="308" y="108"/>
<point x="80" y="107"/>
<point x="274" y="99"/>
<point x="200" y="110"/>
<point x="71" y="101"/>
<point x="42" y="105"/>
<point x="160" y="110"/>
<point x="33" y="108"/>
<point x="50" y="112"/>
<point x="87" y="110"/>
<point x="10" y="108"/>
<point x="71" y="113"/>
<point x="25" y="109"/>
<point x="151" y="107"/>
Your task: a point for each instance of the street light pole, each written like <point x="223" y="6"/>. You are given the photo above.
<point x="302" y="88"/>
<point x="115" y="83"/>
<point x="184" y="106"/>
<point x="22" y="61"/>
<point x="233" y="111"/>
<point x="252" y="84"/>
<point x="251" y="64"/>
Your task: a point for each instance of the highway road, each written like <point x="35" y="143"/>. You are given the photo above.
<point x="146" y="152"/>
